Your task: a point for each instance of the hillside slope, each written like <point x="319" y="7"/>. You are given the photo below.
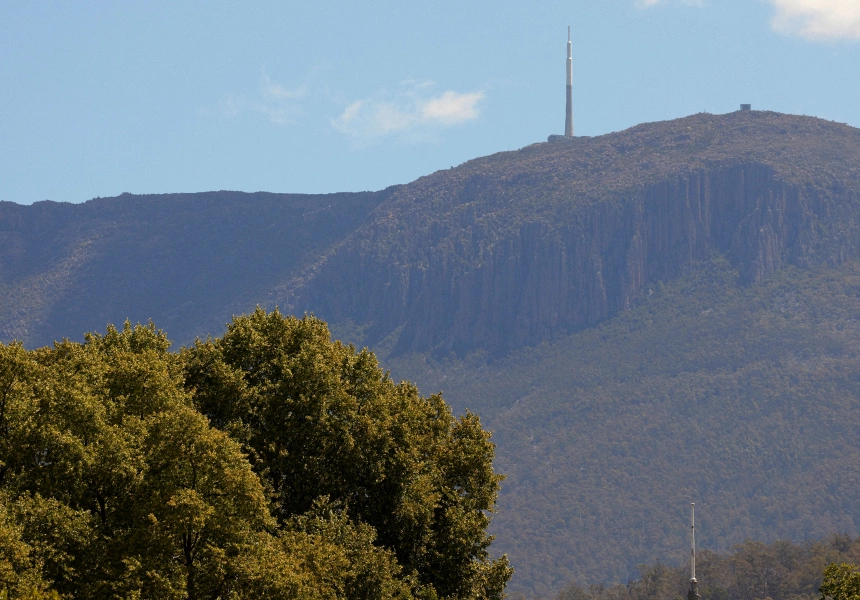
<point x="501" y="252"/>
<point x="743" y="399"/>
<point x="187" y="261"/>
<point x="516" y="248"/>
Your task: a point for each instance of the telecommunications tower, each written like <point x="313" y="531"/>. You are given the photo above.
<point x="568" y="114"/>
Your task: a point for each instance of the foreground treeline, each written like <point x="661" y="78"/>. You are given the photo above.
<point x="269" y="463"/>
<point x="751" y="571"/>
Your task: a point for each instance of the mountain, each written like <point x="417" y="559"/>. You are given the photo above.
<point x="647" y="318"/>
<point x="186" y="261"/>
<point x="516" y="248"/>
<point x="742" y="399"/>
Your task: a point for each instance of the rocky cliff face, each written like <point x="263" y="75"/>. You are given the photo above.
<point x="501" y="252"/>
<point x="518" y="248"/>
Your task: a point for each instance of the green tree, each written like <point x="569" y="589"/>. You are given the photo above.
<point x="19" y="572"/>
<point x="322" y="554"/>
<point x="321" y="419"/>
<point x="122" y="488"/>
<point x="841" y="582"/>
<point x="113" y="484"/>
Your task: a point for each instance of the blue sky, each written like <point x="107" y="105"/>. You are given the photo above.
<point x="100" y="98"/>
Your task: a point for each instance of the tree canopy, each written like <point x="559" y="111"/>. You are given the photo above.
<point x="841" y="582"/>
<point x="271" y="463"/>
<point x="752" y="570"/>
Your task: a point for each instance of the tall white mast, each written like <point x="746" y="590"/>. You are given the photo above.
<point x="568" y="117"/>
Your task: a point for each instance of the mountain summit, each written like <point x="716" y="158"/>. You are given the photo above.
<point x="512" y="249"/>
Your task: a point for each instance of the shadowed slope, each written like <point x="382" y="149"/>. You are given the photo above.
<point x="186" y="261"/>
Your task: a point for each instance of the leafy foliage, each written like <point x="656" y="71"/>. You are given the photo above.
<point x="113" y="485"/>
<point x="322" y="420"/>
<point x="841" y="582"/>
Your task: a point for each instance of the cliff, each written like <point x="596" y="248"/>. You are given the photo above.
<point x="519" y="247"/>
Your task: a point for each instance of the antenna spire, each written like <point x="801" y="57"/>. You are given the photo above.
<point x="693" y="593"/>
<point x="568" y="114"/>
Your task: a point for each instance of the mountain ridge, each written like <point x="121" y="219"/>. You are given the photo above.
<point x="450" y="261"/>
<point x="187" y="261"/>
<point x="453" y="254"/>
<point x="644" y="318"/>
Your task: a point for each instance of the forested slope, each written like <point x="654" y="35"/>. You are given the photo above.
<point x="743" y="399"/>
<point x="516" y="248"/>
<point x="187" y="261"/>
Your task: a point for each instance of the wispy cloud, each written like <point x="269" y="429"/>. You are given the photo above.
<point x="279" y="104"/>
<point x="818" y="19"/>
<point x="226" y="108"/>
<point x="416" y="107"/>
<point x="452" y="108"/>
<point x="651" y="3"/>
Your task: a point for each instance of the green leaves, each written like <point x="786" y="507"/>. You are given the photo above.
<point x="122" y="487"/>
<point x="19" y="572"/>
<point x="272" y="463"/>
<point x="322" y="420"/>
<point x="841" y="582"/>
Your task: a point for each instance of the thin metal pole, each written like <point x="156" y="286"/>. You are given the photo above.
<point x="693" y="540"/>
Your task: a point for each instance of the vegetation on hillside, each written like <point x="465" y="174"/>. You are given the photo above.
<point x="269" y="463"/>
<point x="749" y="571"/>
<point x="514" y="249"/>
<point x="742" y="399"/>
<point x="185" y="261"/>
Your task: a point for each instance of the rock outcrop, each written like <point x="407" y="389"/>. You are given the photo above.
<point x="501" y="252"/>
<point x="517" y="248"/>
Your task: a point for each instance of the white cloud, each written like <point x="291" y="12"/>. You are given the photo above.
<point x="452" y="108"/>
<point x="414" y="108"/>
<point x="818" y="19"/>
<point x="279" y="104"/>
<point x="226" y="108"/>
